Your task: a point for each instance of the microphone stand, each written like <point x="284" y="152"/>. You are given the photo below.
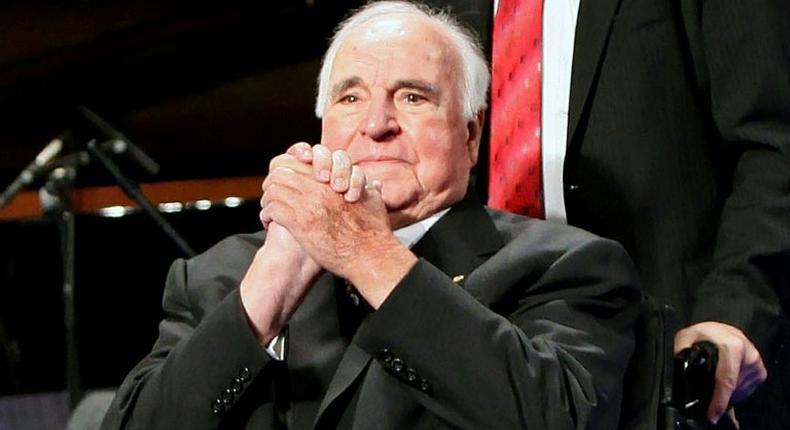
<point x="132" y="189"/>
<point x="57" y="199"/>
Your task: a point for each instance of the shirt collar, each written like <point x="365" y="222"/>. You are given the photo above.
<point x="412" y="233"/>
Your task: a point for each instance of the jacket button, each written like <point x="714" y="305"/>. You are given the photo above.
<point x="227" y="397"/>
<point x="411" y="375"/>
<point x="397" y="365"/>
<point x="386" y="356"/>
<point x="235" y="386"/>
<point x="244" y="374"/>
<point x="425" y="387"/>
<point x="217" y="407"/>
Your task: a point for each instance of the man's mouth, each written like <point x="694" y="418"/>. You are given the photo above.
<point x="379" y="160"/>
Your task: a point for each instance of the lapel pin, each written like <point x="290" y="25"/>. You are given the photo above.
<point x="459" y="279"/>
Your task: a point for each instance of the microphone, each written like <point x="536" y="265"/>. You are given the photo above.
<point x="32" y="171"/>
<point x="118" y="143"/>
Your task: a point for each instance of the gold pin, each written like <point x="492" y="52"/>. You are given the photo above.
<point x="459" y="279"/>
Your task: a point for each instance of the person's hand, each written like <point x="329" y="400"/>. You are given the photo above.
<point x="281" y="273"/>
<point x="276" y="282"/>
<point x="333" y="168"/>
<point x="740" y="369"/>
<point x="347" y="235"/>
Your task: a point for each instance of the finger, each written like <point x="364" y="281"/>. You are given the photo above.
<point x="322" y="163"/>
<point x="684" y="339"/>
<point x="341" y="171"/>
<point x="373" y="189"/>
<point x="291" y="162"/>
<point x="265" y="218"/>
<point x="726" y="378"/>
<point x="753" y="373"/>
<point x="281" y="175"/>
<point x="744" y="390"/>
<point x="301" y="151"/>
<point x="265" y="185"/>
<point x="355" y="185"/>
<point x="278" y="212"/>
<point x="280" y="198"/>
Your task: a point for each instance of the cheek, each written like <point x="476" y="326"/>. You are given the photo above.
<point x="337" y="132"/>
<point x="442" y="152"/>
<point x="440" y="140"/>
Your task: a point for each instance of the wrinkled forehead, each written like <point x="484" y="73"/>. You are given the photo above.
<point x="387" y="27"/>
<point x="416" y="37"/>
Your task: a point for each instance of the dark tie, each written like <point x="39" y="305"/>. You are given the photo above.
<point x="516" y="182"/>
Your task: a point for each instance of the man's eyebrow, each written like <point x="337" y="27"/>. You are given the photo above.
<point x="344" y="85"/>
<point x="428" y="88"/>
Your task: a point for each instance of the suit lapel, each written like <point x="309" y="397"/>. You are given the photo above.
<point x="461" y="240"/>
<point x="351" y="367"/>
<point x="594" y="24"/>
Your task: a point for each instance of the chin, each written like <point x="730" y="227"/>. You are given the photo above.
<point x="396" y="199"/>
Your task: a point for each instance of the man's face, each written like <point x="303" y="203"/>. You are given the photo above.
<point x="395" y="107"/>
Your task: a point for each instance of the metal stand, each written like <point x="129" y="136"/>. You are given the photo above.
<point x="132" y="189"/>
<point x="56" y="198"/>
<point x="57" y="201"/>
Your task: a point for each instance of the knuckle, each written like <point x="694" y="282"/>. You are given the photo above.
<point x="762" y="374"/>
<point x="738" y="347"/>
<point x="321" y="149"/>
<point x="277" y="161"/>
<point x="299" y="145"/>
<point x="728" y="382"/>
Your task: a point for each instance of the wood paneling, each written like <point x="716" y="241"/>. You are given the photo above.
<point x="90" y="200"/>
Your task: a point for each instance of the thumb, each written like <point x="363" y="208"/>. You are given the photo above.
<point x="373" y="189"/>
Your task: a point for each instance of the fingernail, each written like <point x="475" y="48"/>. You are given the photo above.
<point x="339" y="183"/>
<point x="323" y="175"/>
<point x="352" y="195"/>
<point x="338" y="160"/>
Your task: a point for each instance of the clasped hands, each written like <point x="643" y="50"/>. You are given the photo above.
<point x="320" y="213"/>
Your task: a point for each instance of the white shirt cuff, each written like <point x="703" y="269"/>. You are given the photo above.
<point x="276" y="347"/>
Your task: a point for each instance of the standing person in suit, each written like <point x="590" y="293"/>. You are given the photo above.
<point x="666" y="125"/>
<point x="461" y="317"/>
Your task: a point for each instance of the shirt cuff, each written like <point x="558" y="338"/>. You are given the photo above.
<point x="276" y="347"/>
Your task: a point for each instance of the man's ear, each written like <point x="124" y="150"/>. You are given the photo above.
<point x="474" y="128"/>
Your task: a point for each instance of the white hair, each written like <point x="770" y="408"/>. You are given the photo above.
<point x="474" y="69"/>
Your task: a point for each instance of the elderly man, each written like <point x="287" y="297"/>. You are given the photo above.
<point x="460" y="317"/>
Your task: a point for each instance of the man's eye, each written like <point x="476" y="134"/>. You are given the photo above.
<point x="414" y="98"/>
<point x="349" y="99"/>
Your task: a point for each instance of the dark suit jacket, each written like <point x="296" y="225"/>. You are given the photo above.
<point x="536" y="335"/>
<point x="679" y="148"/>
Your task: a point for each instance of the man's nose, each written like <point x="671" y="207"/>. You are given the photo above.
<point x="381" y="121"/>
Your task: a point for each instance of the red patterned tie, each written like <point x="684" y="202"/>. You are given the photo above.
<point x="516" y="182"/>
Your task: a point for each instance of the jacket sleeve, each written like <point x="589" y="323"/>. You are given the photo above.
<point x="744" y="62"/>
<point x="199" y="366"/>
<point x="550" y="353"/>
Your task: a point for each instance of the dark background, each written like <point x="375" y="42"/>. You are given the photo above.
<point x="209" y="90"/>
